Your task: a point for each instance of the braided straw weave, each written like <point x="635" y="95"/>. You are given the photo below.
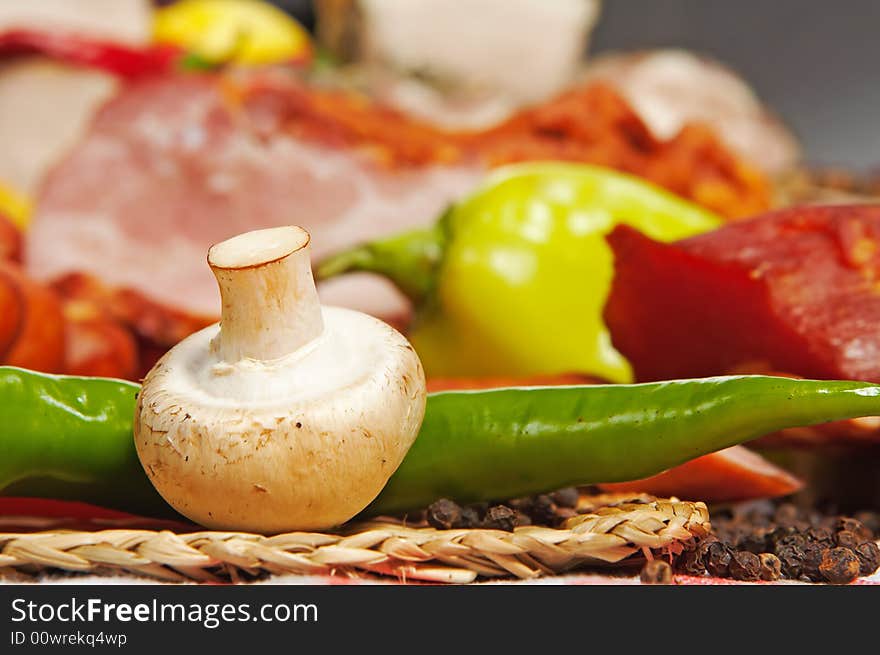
<point x="605" y="535"/>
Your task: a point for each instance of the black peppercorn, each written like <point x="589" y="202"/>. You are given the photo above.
<point x="839" y="565"/>
<point x="567" y="497"/>
<point x="812" y="560"/>
<point x="691" y="562"/>
<point x="821" y="535"/>
<point x="744" y="566"/>
<point x="789" y="542"/>
<point x="717" y="559"/>
<point x="871" y="521"/>
<point x="470" y="518"/>
<point x="499" y="517"/>
<point x="771" y="567"/>
<point x="791" y="558"/>
<point x="846" y="523"/>
<point x="444" y="514"/>
<point x="522" y="518"/>
<point x="869" y="557"/>
<point x="542" y="510"/>
<point x="847" y="539"/>
<point x="755" y="542"/>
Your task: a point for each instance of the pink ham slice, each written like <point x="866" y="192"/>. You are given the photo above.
<point x="169" y="168"/>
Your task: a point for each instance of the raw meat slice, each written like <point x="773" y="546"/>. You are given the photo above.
<point x="171" y="167"/>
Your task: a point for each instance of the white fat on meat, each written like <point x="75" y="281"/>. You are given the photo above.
<point x="44" y="109"/>
<point x="167" y="170"/>
<point x="494" y="58"/>
<point x="45" y="105"/>
<point x="670" y="88"/>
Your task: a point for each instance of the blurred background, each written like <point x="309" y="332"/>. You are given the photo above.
<point x="814" y="63"/>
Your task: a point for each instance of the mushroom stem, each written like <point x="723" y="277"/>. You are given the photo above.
<point x="270" y="306"/>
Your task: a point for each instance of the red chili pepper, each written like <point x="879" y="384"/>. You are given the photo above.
<point x="121" y="60"/>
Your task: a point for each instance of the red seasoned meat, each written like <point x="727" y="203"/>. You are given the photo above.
<point x="795" y="291"/>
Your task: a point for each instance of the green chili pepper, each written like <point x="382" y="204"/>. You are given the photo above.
<point x="70" y="438"/>
<point x="507" y="443"/>
<point x="512" y="280"/>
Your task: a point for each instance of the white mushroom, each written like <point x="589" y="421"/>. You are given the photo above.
<point x="286" y="415"/>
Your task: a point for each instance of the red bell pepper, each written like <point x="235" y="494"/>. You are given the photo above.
<point x="111" y="57"/>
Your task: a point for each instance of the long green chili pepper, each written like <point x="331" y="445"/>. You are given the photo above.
<point x="70" y="438"/>
<point x="507" y="443"/>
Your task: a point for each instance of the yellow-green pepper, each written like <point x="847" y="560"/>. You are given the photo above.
<point x="249" y="32"/>
<point x="512" y="280"/>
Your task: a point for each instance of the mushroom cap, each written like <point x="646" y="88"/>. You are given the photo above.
<point x="301" y="442"/>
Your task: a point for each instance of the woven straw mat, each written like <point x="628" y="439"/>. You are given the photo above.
<point x="606" y="533"/>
